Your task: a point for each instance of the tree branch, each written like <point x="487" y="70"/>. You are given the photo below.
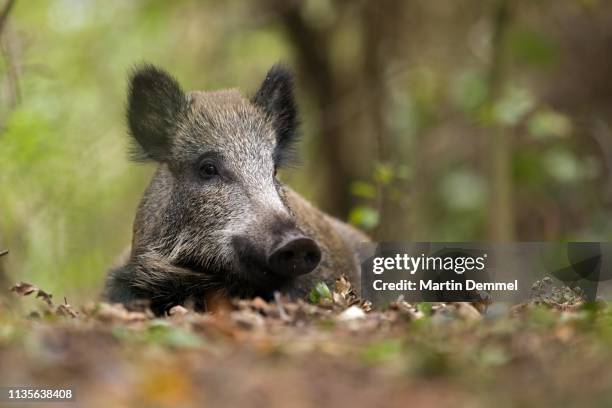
<point x="4" y="13"/>
<point x="12" y="72"/>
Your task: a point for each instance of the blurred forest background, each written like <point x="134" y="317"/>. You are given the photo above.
<point x="422" y="120"/>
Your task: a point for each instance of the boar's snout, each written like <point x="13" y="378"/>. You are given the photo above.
<point x="294" y="256"/>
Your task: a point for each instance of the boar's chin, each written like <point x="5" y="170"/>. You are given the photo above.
<point x="244" y="280"/>
<point x="250" y="281"/>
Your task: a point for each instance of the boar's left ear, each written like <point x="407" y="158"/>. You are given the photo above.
<point x="275" y="97"/>
<point x="155" y="104"/>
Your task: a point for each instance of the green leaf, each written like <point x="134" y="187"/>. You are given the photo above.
<point x="425" y="308"/>
<point x="469" y="91"/>
<point x="161" y="332"/>
<point x="365" y="217"/>
<point x="548" y="123"/>
<point x="464" y="190"/>
<point x="563" y="165"/>
<point x="382" y="351"/>
<point x="513" y="106"/>
<point x="403" y="172"/>
<point x="363" y="189"/>
<point x="493" y="356"/>
<point x="532" y="47"/>
<point x="383" y="173"/>
<point x="320" y="292"/>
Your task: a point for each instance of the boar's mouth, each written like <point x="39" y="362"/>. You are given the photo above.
<point x="250" y="280"/>
<point x="247" y="279"/>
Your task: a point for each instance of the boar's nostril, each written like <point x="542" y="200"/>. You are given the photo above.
<point x="312" y="257"/>
<point x="295" y="257"/>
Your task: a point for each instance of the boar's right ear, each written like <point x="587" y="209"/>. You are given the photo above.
<point x="275" y="97"/>
<point x="155" y="104"/>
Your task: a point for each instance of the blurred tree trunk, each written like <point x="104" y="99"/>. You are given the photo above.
<point x="4" y="281"/>
<point x="4" y="14"/>
<point x="501" y="219"/>
<point x="351" y="100"/>
<point x="312" y="48"/>
<point x="381" y="38"/>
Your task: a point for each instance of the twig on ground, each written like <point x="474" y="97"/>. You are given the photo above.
<point x="279" y="304"/>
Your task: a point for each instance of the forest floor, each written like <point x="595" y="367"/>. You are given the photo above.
<point x="334" y="352"/>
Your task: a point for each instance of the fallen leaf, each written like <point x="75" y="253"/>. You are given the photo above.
<point x="117" y="312"/>
<point x="259" y="304"/>
<point x="24" y="288"/>
<point x="66" y="310"/>
<point x="339" y="299"/>
<point x="467" y="311"/>
<point x="247" y="319"/>
<point x="45" y="296"/>
<point x="218" y="302"/>
<point x="407" y="309"/>
<point x="343" y="294"/>
<point x="178" y="310"/>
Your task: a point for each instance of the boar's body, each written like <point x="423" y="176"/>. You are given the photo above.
<point x="214" y="218"/>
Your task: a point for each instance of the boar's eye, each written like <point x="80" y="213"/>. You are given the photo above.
<point x="208" y="170"/>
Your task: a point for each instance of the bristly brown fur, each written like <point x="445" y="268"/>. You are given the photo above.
<point x="214" y="209"/>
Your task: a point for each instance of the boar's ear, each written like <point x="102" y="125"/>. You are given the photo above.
<point x="155" y="104"/>
<point x="275" y="97"/>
